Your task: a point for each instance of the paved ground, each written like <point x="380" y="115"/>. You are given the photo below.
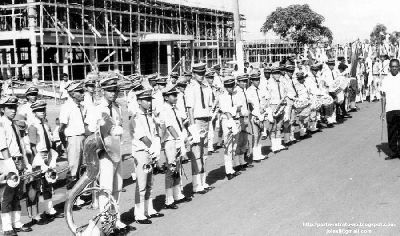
<point x="320" y="186"/>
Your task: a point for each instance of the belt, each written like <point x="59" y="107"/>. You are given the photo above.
<point x="203" y="118"/>
<point x="244" y="117"/>
<point x="79" y="135"/>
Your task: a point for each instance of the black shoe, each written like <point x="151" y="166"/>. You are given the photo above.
<point x="185" y="199"/>
<point x="230" y="176"/>
<point x="185" y="161"/>
<point x="330" y="126"/>
<point x="347" y="116"/>
<point x="40" y="222"/>
<point x="52" y="216"/>
<point x="391" y="157"/>
<point x="23" y="229"/>
<point x="156" y="215"/>
<point x="76" y="208"/>
<point x="257" y="161"/>
<point x="172" y="206"/>
<point x="209" y="188"/>
<point x="247" y="165"/>
<point x="200" y="192"/>
<point x="144" y="222"/>
<point x="305" y="136"/>
<point x="10" y="233"/>
<point x="237" y="168"/>
<point x="209" y="153"/>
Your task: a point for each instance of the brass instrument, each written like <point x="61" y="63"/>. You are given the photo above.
<point x="280" y="109"/>
<point x="104" y="222"/>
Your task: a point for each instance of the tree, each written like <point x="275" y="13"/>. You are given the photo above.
<point x="378" y="34"/>
<point x="298" y="23"/>
<point x="395" y="38"/>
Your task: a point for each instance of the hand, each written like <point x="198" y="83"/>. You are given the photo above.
<point x="383" y="116"/>
<point x="28" y="168"/>
<point x="44" y="168"/>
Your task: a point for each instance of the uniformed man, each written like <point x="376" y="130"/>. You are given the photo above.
<point x="215" y="116"/>
<point x="230" y="117"/>
<point x="72" y="131"/>
<point x="25" y="110"/>
<point x="304" y="114"/>
<point x="12" y="159"/>
<point x="198" y="101"/>
<point x="173" y="77"/>
<point x="110" y="176"/>
<point x="147" y="151"/>
<point x="244" y="140"/>
<point x="278" y="90"/>
<point x="174" y="145"/>
<point x="328" y="76"/>
<point x="290" y="117"/>
<point x="313" y="84"/>
<point x="90" y="86"/>
<point x="45" y="157"/>
<point x="256" y="102"/>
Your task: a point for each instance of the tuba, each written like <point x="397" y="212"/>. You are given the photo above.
<point x="103" y="222"/>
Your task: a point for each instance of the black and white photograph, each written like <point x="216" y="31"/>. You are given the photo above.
<point x="199" y="117"/>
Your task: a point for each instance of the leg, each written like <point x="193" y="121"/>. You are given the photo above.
<point x="393" y="126"/>
<point x="141" y="159"/>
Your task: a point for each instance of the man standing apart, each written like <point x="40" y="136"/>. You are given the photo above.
<point x="391" y="107"/>
<point x="198" y="101"/>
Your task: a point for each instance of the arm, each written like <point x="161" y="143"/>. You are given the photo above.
<point x="383" y="105"/>
<point x="62" y="135"/>
<point x="146" y="141"/>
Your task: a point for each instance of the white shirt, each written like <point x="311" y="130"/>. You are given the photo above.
<point x="143" y="128"/>
<point x="193" y="99"/>
<point x="254" y="97"/>
<point x="27" y="112"/>
<point x="241" y="99"/>
<point x="10" y="138"/>
<point x="73" y="117"/>
<point x="171" y="119"/>
<point x="63" y="91"/>
<point x="391" y="87"/>
<point x="36" y="135"/>
<point x="95" y="115"/>
<point x="181" y="105"/>
<point x="228" y="103"/>
<point x="88" y="100"/>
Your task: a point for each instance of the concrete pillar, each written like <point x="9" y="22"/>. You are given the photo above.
<point x="169" y="57"/>
<point x="32" y="16"/>
<point x="136" y="57"/>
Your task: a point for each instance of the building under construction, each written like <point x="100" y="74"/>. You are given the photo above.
<point x="52" y="37"/>
<point x="259" y="51"/>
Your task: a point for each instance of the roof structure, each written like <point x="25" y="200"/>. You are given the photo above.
<point x="222" y="5"/>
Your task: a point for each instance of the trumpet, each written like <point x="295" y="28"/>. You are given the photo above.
<point x="51" y="175"/>
<point x="147" y="168"/>
<point x="280" y="108"/>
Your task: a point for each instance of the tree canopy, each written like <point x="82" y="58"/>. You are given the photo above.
<point x="378" y="34"/>
<point x="298" y="23"/>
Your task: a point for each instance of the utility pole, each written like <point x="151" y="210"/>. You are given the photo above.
<point x="238" y="37"/>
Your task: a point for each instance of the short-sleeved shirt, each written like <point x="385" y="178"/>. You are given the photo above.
<point x="228" y="103"/>
<point x="11" y="137"/>
<point x="302" y="90"/>
<point x="171" y="119"/>
<point x="143" y="128"/>
<point x="181" y="105"/>
<point x="193" y="100"/>
<point x="72" y="116"/>
<point x="391" y="87"/>
<point x="241" y="99"/>
<point x="255" y="98"/>
<point x="37" y="136"/>
<point x="95" y="115"/>
<point x="277" y="93"/>
<point x="88" y="100"/>
<point x="27" y="112"/>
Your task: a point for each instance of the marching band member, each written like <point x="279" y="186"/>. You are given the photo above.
<point x="215" y="118"/>
<point x="12" y="159"/>
<point x="342" y="76"/>
<point x="174" y="146"/>
<point x="258" y="112"/>
<point x="173" y="77"/>
<point x="198" y="101"/>
<point x="44" y="159"/>
<point x="313" y="84"/>
<point x="289" y="117"/>
<point x="88" y="99"/>
<point x="64" y="94"/>
<point x="245" y="135"/>
<point x="110" y="176"/>
<point x="217" y="82"/>
<point x="328" y="76"/>
<point x="147" y="150"/>
<point x="72" y="132"/>
<point x="181" y="85"/>
<point x="230" y="119"/>
<point x="303" y="114"/>
<point x="376" y="82"/>
<point x="278" y="91"/>
<point x="25" y="110"/>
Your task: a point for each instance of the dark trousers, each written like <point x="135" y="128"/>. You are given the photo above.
<point x="393" y="128"/>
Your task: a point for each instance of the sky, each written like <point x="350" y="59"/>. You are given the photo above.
<point x="348" y="19"/>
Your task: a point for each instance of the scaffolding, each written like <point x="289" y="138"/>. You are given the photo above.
<point x="51" y="37"/>
<point x="259" y="51"/>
